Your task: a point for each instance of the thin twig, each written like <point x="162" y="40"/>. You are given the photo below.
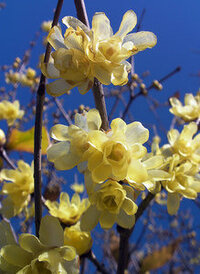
<point x="5" y="157"/>
<point x="90" y="255"/>
<point x="38" y="131"/>
<point x="64" y="113"/>
<point x="98" y="92"/>
<point x="126" y="233"/>
<point x="134" y="96"/>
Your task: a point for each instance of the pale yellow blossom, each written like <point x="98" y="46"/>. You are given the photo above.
<point x="48" y="254"/>
<point x="68" y="212"/>
<point x="84" y="54"/>
<point x="17" y="186"/>
<point x="10" y="111"/>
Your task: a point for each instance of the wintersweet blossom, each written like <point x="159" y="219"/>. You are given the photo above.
<point x="68" y="212"/>
<point x="80" y="240"/>
<point x="72" y="146"/>
<point x="111" y="203"/>
<point x="48" y="254"/>
<point x="17" y="186"/>
<point x="10" y="111"/>
<point x="184" y="144"/>
<point x="188" y="112"/>
<point x="84" y="54"/>
<point x="182" y="181"/>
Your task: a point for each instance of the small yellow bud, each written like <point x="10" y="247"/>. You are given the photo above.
<point x="135" y="77"/>
<point x="143" y="89"/>
<point x="30" y="73"/>
<point x="157" y="85"/>
<point x="46" y="26"/>
<point x="15" y="65"/>
<point x="81" y="107"/>
<point x="17" y="60"/>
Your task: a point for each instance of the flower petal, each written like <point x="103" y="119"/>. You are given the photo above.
<point x="89" y="218"/>
<point x="124" y="220"/>
<point x="136" y="133"/>
<point x="107" y="219"/>
<point x="59" y="132"/>
<point x="101" y="26"/>
<point x="173" y="203"/>
<point x="58" y="87"/>
<point x="55" y="38"/>
<point x="73" y="22"/>
<point x="129" y="21"/>
<point x="51" y="232"/>
<point x="142" y="40"/>
<point x="57" y="150"/>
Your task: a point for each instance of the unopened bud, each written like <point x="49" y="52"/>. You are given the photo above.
<point x="135" y="77"/>
<point x="143" y="89"/>
<point x="157" y="85"/>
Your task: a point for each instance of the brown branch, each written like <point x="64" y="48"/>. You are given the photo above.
<point x="98" y="92"/>
<point x="126" y="233"/>
<point x="64" y="113"/>
<point x="4" y="156"/>
<point x="38" y="131"/>
<point x="91" y="257"/>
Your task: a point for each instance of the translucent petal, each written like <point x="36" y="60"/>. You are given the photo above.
<point x="59" y="132"/>
<point x="173" y="203"/>
<point x="89" y="219"/>
<point x="107" y="219"/>
<point x="76" y="199"/>
<point x="51" y="232"/>
<point x="129" y="206"/>
<point x="7" y="234"/>
<point x="85" y="86"/>
<point x="101" y="26"/>
<point x="136" y="133"/>
<point x="124" y="220"/>
<point x="119" y="75"/>
<point x="172" y="136"/>
<point x="188" y="131"/>
<point x="57" y="150"/>
<point x="118" y="126"/>
<point x="101" y="172"/>
<point x="73" y="22"/>
<point x="55" y="38"/>
<point x="49" y="70"/>
<point x="142" y="40"/>
<point x="137" y="172"/>
<point x="103" y="75"/>
<point x="175" y="102"/>
<point x="93" y="119"/>
<point x="129" y="21"/>
<point x="30" y="243"/>
<point x="153" y="162"/>
<point x="58" y="87"/>
<point x="190" y="100"/>
<point x="64" y="198"/>
<point x="15" y="255"/>
<point x="67" y="161"/>
<point x="158" y="174"/>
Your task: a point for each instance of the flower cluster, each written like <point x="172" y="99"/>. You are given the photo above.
<point x="117" y="155"/>
<point x="182" y="158"/>
<point x="46" y="254"/>
<point x="10" y="111"/>
<point x="17" y="186"/>
<point x="191" y="110"/>
<point x="27" y="79"/>
<point x="84" y="53"/>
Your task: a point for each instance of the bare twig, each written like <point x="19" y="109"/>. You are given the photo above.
<point x="90" y="256"/>
<point x="38" y="131"/>
<point x="64" y="113"/>
<point x="5" y="157"/>
<point x="134" y="96"/>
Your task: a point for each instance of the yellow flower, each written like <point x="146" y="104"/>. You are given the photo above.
<point x="117" y="153"/>
<point x="10" y="111"/>
<point x="18" y="188"/>
<point x="84" y="54"/>
<point x="48" y="254"/>
<point x="110" y="202"/>
<point x="73" y="145"/>
<point x="2" y="137"/>
<point x="182" y="181"/>
<point x="188" y="112"/>
<point x="80" y="240"/>
<point x="184" y="144"/>
<point x="68" y="212"/>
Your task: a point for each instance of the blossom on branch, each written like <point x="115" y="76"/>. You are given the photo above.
<point x="48" y="254"/>
<point x="10" y="111"/>
<point x="84" y="53"/>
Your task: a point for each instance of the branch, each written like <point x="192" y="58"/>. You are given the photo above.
<point x="65" y="115"/>
<point x="5" y="157"/>
<point x="98" y="93"/>
<point x="38" y="131"/>
<point x="90" y="255"/>
<point x="126" y="233"/>
<point x="134" y="96"/>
